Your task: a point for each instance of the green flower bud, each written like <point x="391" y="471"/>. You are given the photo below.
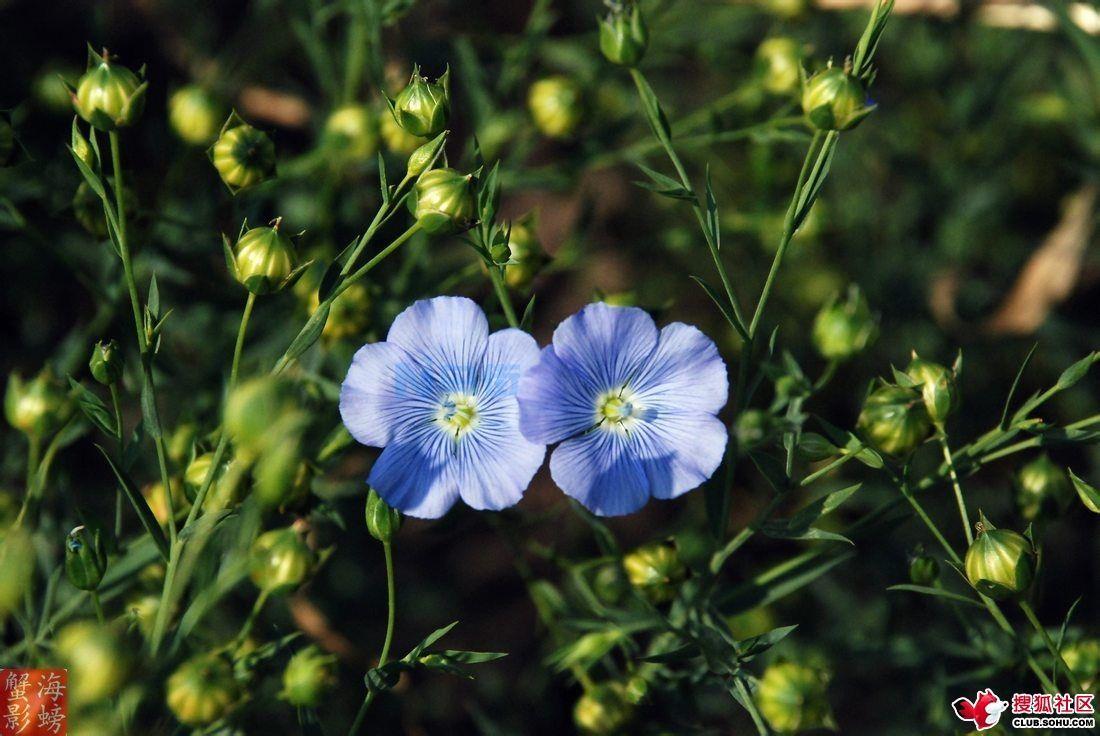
<point x="843" y="329"/>
<point x="309" y="676"/>
<point x="752" y="428"/>
<point x="779" y="65"/>
<point x="445" y="201"/>
<point x="264" y="260"/>
<point x="243" y="155"/>
<point x="141" y="612"/>
<point x="38" y="407"/>
<point x="194" y="476"/>
<point x="85" y="557"/>
<point x="422" y="157"/>
<point x="106" y="363"/>
<point x="557" y="106"/>
<point x="351" y="134"/>
<point x="924" y="570"/>
<point x="82" y="148"/>
<point x="195" y="115"/>
<point x="254" y="408"/>
<point x="894" y="420"/>
<point x="1000" y="563"/>
<point x="203" y="690"/>
<point x="382" y="520"/>
<point x="109" y="96"/>
<point x="834" y="100"/>
<point x="157" y="499"/>
<point x="623" y="34"/>
<point x="279" y="561"/>
<point x="97" y="659"/>
<point x="636" y="689"/>
<point x="785" y="9"/>
<point x="500" y="253"/>
<point x="609" y="584"/>
<point x="283" y="479"/>
<point x="1083" y="657"/>
<point x="7" y="140"/>
<point x="753" y="622"/>
<point x="655" y="570"/>
<point x="603" y="710"/>
<point x="422" y="108"/>
<point x="526" y="257"/>
<point x="17" y="561"/>
<point x="793" y="697"/>
<point x="1043" y="488"/>
<point x="397" y="139"/>
<point x="182" y="440"/>
<point x="937" y="386"/>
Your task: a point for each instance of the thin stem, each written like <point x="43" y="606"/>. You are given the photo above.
<point x="502" y="295"/>
<point x="378" y="258"/>
<point x="250" y="620"/>
<point x="1029" y="612"/>
<point x="356" y="53"/>
<point x="120" y="435"/>
<point x="963" y="515"/>
<point x="97" y="606"/>
<point x="391" y="612"/>
<point x="930" y="524"/>
<point x="750" y="705"/>
<point x="235" y="367"/>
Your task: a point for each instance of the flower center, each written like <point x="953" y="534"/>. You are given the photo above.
<point x="457" y="414"/>
<point x="616" y="410"/>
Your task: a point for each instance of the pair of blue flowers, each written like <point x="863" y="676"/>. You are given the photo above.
<point x="462" y="413"/>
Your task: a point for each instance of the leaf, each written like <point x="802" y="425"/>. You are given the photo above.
<point x="722" y="306"/>
<point x="850" y="444"/>
<point x="1076" y="372"/>
<point x="149" y="410"/>
<point x="153" y="302"/>
<point x="308" y="334"/>
<point x="1015" y="384"/>
<point x="141" y="506"/>
<point x="1089" y="495"/>
<point x="762" y="643"/>
<point x="655" y="115"/>
<point x="528" y="318"/>
<point x="430" y="639"/>
<point x="681" y="654"/>
<point x="94" y="408"/>
<point x="773" y="470"/>
<point x="800" y="526"/>
<point x="605" y="540"/>
<point x="936" y="592"/>
<point x="781" y="580"/>
<point x="664" y="185"/>
<point x="713" y="225"/>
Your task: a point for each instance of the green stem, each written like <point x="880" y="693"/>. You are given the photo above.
<point x="239" y="345"/>
<point x="97" y="606"/>
<point x="1029" y="612"/>
<point x="121" y="437"/>
<point x="932" y="527"/>
<point x="378" y="258"/>
<point x="391" y="613"/>
<point x="502" y="294"/>
<point x="963" y="515"/>
<point x="250" y="620"/>
<point x="750" y="705"/>
<point x="356" y="53"/>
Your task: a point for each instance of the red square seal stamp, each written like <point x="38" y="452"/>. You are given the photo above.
<point x="34" y="702"/>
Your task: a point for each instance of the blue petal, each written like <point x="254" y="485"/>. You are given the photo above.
<point x="599" y="471"/>
<point x="508" y="354"/>
<point x="607" y="345"/>
<point x="684" y="373"/>
<point x="447" y="336"/>
<point x="555" y="402"/>
<point x="678" y="451"/>
<point x="494" y="464"/>
<point x="385" y="389"/>
<point x="412" y="474"/>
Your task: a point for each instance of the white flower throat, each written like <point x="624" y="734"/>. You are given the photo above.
<point x="617" y="410"/>
<point x="457" y="414"/>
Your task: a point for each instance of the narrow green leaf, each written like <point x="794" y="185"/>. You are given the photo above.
<point x="938" y="593"/>
<point x="308" y="335"/>
<point x="141" y="506"/>
<point x="1089" y="495"/>
<point x="149" y="411"/>
<point x="94" y="408"/>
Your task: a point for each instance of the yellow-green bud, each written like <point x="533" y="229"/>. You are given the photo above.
<point x="254" y="408"/>
<point x="557" y="106"/>
<point x="894" y="420"/>
<point x="309" y="676"/>
<point x="779" y="65"/>
<point x="752" y="428"/>
<point x="264" y="259"/>
<point x="609" y="584"/>
<point x="1000" y="563"/>
<point x="937" y="386"/>
<point x="203" y="690"/>
<point x="636" y="689"/>
<point x="351" y="134"/>
<point x="603" y="710"/>
<point x="280" y="560"/>
<point x="422" y="108"/>
<point x="283" y="479"/>
<point x="422" y="157"/>
<point x="109" y="96"/>
<point x="81" y="147"/>
<point x="397" y="139"/>
<point x="382" y="520"/>
<point x="655" y="570"/>
<point x="141" y="612"/>
<point x="98" y="661"/>
<point x="1043" y="488"/>
<point x="195" y="115"/>
<point x="924" y="570"/>
<point x="85" y="557"/>
<point x="843" y="329"/>
<point x="37" y="407"/>
<point x="445" y="201"/>
<point x="526" y="256"/>
<point x="1083" y="658"/>
<point x="834" y="100"/>
<point x="7" y="141"/>
<point x="17" y="564"/>
<point x="243" y="156"/>
<point x="349" y="314"/>
<point x="157" y="499"/>
<point x="106" y="363"/>
<point x="194" y="476"/>
<point x="623" y="34"/>
<point x="793" y="697"/>
<point x="181" y="441"/>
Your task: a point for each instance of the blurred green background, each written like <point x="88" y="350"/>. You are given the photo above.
<point x="964" y="207"/>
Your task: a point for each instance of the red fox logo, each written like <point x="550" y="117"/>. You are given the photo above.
<point x="984" y="711"/>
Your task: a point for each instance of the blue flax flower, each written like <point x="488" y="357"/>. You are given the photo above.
<point x="633" y="408"/>
<point x="440" y="396"/>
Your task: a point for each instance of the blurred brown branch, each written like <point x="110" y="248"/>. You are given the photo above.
<point x="996" y="13"/>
